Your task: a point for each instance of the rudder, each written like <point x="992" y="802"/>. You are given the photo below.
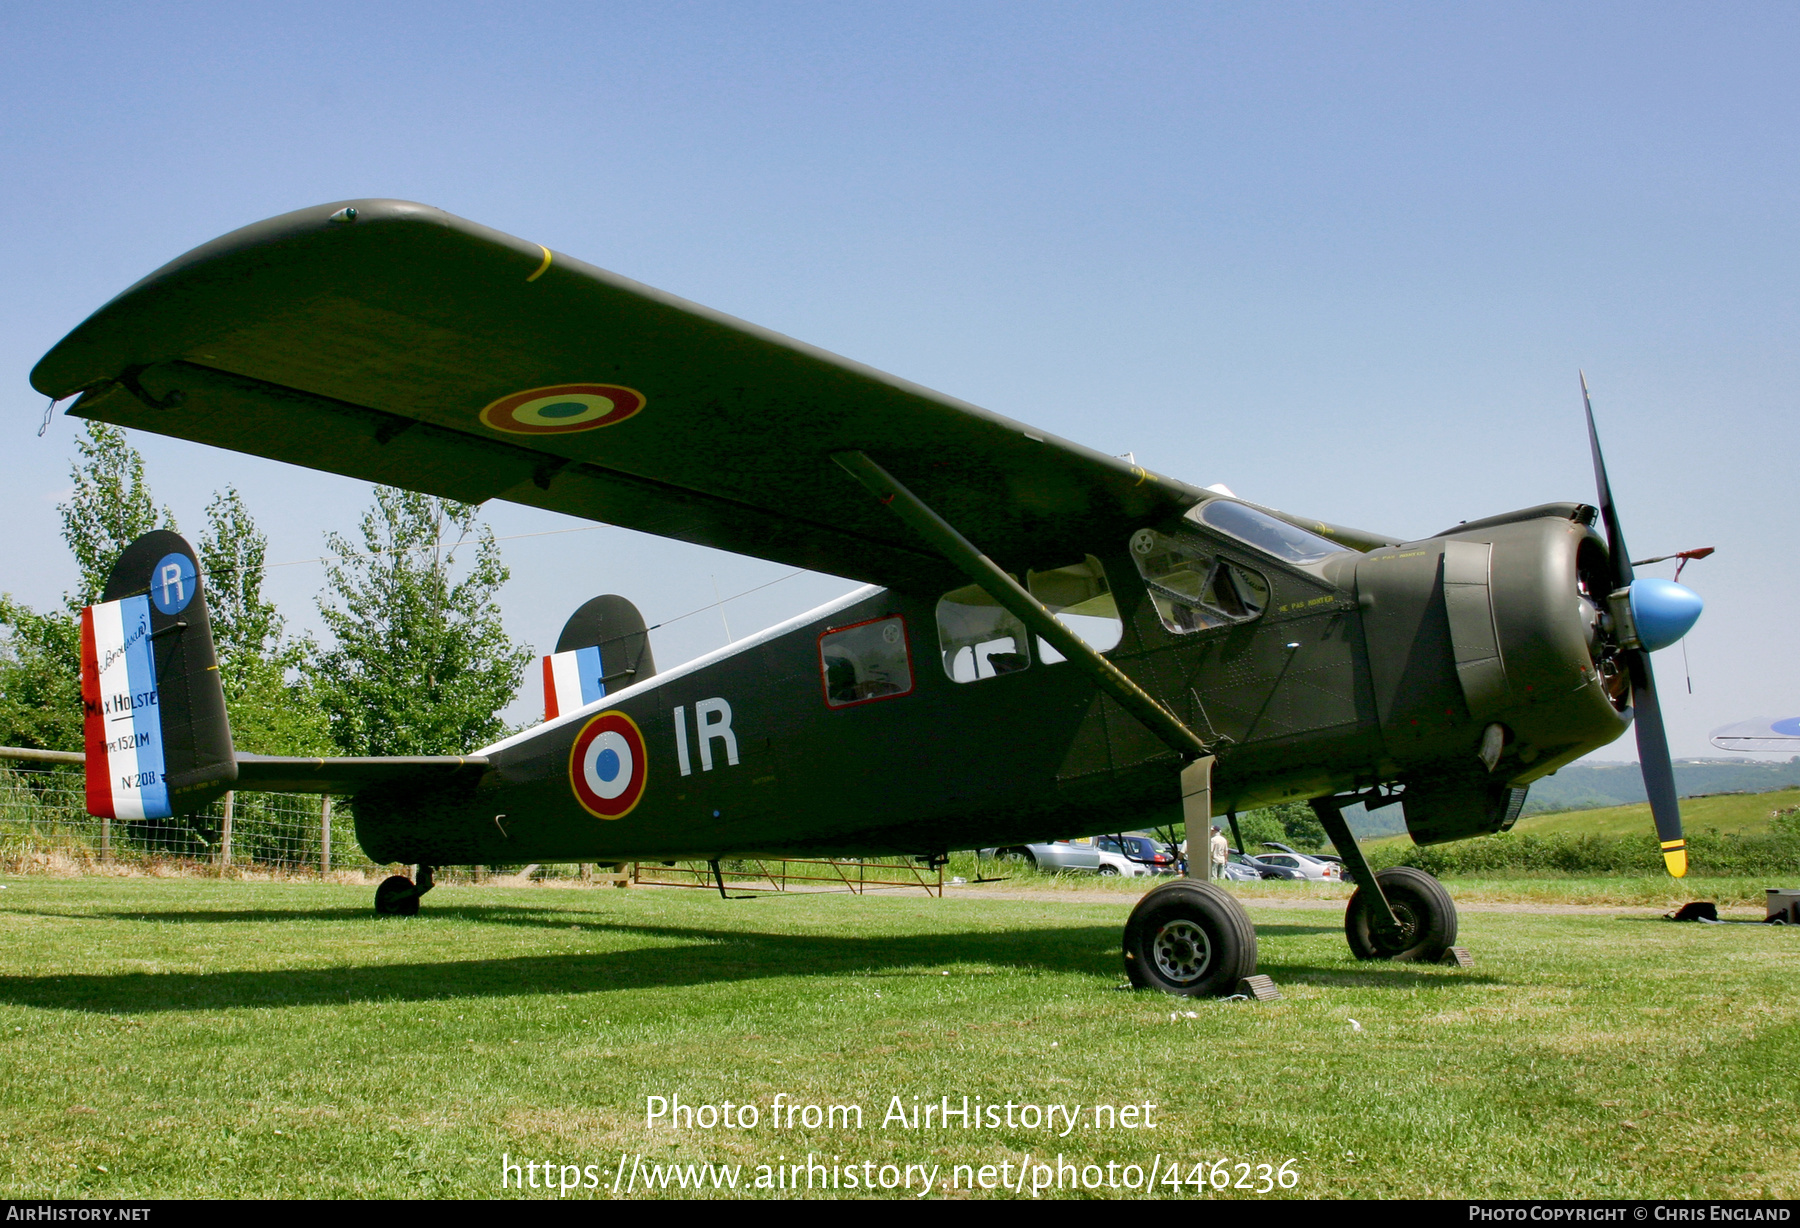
<point x="153" y="710"/>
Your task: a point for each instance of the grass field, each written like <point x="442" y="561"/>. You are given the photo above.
<point x="206" y="1038"/>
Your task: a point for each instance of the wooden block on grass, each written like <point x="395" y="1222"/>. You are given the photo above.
<point x="1259" y="989"/>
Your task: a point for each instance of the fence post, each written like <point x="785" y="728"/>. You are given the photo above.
<point x="105" y="838"/>
<point x="225" y="835"/>
<point x="325" y="837"/>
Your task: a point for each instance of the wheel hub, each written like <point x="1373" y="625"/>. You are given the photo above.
<point x="1182" y="951"/>
<point x="1407" y="933"/>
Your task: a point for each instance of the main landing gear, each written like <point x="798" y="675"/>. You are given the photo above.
<point x="398" y="896"/>
<point x="1190" y="938"/>
<point x="1401" y="913"/>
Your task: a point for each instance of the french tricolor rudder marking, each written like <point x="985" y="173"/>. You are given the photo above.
<point x="572" y="680"/>
<point x="121" y="712"/>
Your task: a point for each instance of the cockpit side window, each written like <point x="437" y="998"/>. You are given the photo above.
<point x="978" y="637"/>
<point x="1081" y="598"/>
<point x="1287" y="542"/>
<point x="1191" y="587"/>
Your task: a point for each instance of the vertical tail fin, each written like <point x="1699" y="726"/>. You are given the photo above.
<point x="158" y="741"/>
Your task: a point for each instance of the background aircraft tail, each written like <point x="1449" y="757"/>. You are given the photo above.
<point x="603" y="647"/>
<point x="157" y="739"/>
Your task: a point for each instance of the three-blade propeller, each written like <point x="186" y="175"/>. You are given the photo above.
<point x="1653" y="742"/>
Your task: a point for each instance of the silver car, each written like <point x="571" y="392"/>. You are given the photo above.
<point x="1138" y="856"/>
<point x="1052" y="857"/>
<point x="1314" y="868"/>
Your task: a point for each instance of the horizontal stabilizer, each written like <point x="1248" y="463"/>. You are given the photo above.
<point x="299" y="774"/>
<point x="305" y="774"/>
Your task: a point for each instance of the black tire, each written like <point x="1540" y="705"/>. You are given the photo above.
<point x="1109" y="871"/>
<point x="396" y="897"/>
<point x="1426" y="913"/>
<point x="1191" y="939"/>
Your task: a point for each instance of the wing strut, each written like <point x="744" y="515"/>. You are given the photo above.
<point x="1021" y="604"/>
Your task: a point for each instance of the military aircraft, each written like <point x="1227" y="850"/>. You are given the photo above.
<point x="1053" y="641"/>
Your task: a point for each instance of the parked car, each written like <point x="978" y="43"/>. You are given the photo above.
<point x="1137" y="856"/>
<point x="1052" y="857"/>
<point x="1315" y="868"/>
<point x="1236" y="871"/>
<point x="1262" y="867"/>
<point x="1333" y="858"/>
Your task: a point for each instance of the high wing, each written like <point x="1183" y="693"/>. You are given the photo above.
<point x="396" y="343"/>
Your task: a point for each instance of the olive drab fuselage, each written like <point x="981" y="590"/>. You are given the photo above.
<point x="1361" y="670"/>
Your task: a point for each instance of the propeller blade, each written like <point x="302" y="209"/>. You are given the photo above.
<point x="1652" y="740"/>
<point x="1615" y="537"/>
<point x="1654" y="762"/>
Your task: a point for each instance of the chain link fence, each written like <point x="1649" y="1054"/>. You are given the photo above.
<point x="44" y="824"/>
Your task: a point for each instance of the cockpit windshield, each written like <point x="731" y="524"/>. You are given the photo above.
<point x="1263" y="531"/>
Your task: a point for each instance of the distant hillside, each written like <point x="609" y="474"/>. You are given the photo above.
<point x="1746" y="814"/>
<point x="1589" y="786"/>
<point x="1593" y="786"/>
<point x="1741" y="814"/>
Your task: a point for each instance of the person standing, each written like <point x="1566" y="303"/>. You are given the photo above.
<point x="1219" y="850"/>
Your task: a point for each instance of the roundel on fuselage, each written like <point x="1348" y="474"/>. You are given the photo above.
<point x="608" y="765"/>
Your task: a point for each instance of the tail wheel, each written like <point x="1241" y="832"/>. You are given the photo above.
<point x="1426" y="913"/>
<point x="1189" y="938"/>
<point x="396" y="897"/>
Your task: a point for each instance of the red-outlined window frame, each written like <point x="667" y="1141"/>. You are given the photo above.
<point x="912" y="674"/>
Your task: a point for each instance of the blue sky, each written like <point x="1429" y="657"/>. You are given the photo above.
<point x="1346" y="259"/>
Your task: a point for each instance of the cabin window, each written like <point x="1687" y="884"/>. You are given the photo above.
<point x="1081" y="598"/>
<point x="1191" y="587"/>
<point x="865" y="662"/>
<point x="978" y="637"/>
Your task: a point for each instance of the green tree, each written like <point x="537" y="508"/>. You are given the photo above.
<point x="40" y="678"/>
<point x="421" y="663"/>
<point x="269" y="698"/>
<point x="40" y="654"/>
<point x="109" y="508"/>
<point x="1291" y="823"/>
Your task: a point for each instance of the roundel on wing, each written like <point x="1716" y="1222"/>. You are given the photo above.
<point x="607" y="765"/>
<point x="563" y="408"/>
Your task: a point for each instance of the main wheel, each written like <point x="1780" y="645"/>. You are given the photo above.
<point x="396" y="897"/>
<point x="1189" y="938"/>
<point x="1109" y="871"/>
<point x="1426" y="913"/>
